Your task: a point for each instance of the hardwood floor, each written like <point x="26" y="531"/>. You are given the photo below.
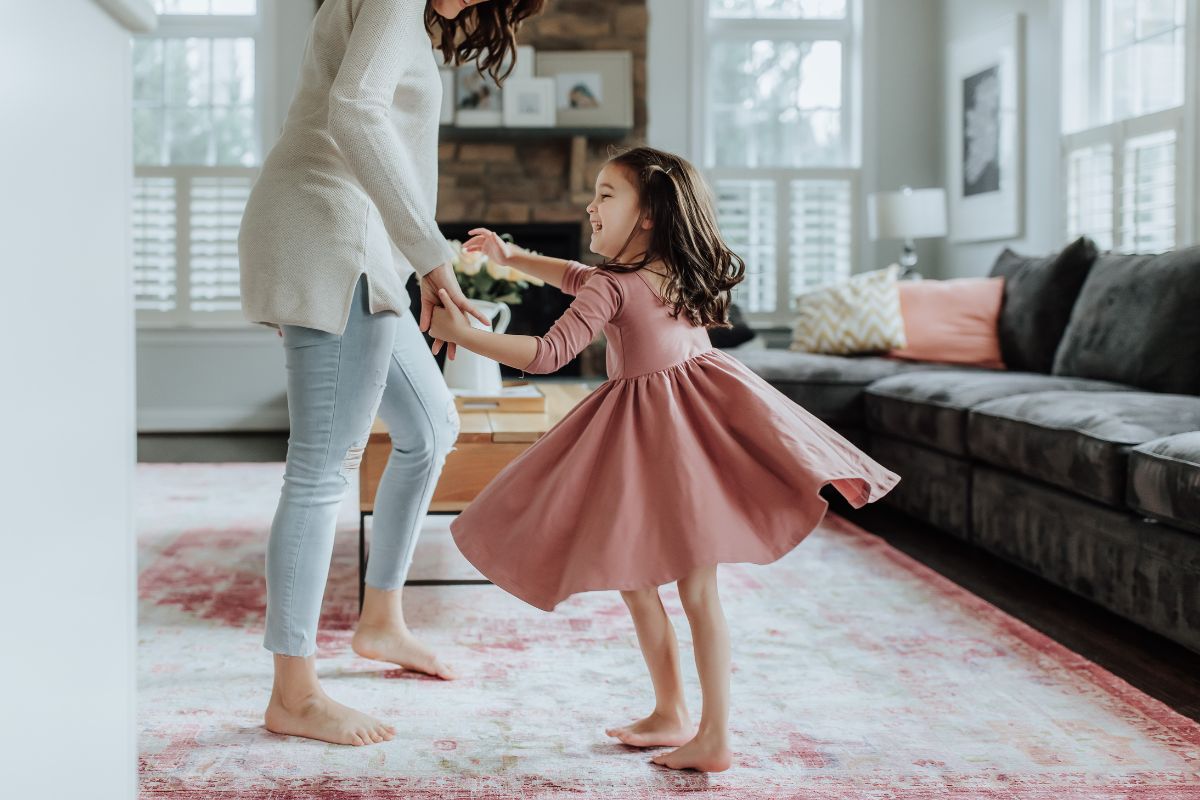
<point x="1155" y="665"/>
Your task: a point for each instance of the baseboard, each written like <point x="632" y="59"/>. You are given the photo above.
<point x="212" y="419"/>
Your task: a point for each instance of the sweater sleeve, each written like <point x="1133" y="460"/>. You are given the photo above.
<point x="360" y="122"/>
<point x="596" y="303"/>
<point x="574" y="276"/>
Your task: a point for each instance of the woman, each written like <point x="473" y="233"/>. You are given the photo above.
<point x="341" y="216"/>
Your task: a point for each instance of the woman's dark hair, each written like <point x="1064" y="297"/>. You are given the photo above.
<point x="485" y="33"/>
<point x="701" y="269"/>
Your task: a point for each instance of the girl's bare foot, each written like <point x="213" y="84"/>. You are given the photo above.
<point x="319" y="717"/>
<point x="656" y="730"/>
<point x="398" y="647"/>
<point x="705" y="753"/>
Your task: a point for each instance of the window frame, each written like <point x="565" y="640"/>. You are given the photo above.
<point x="260" y="27"/>
<point x="1182" y="120"/>
<point x="706" y="31"/>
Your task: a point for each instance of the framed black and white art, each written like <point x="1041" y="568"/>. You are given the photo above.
<point x="984" y="159"/>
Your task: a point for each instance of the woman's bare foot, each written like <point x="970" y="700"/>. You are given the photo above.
<point x="656" y="730"/>
<point x="398" y="647"/>
<point x="705" y="753"/>
<point x="319" y="717"/>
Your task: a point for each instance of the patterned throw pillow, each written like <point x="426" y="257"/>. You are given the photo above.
<point x="860" y="315"/>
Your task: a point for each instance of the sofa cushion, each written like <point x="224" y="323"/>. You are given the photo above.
<point x="1164" y="479"/>
<point x="858" y="315"/>
<point x="829" y="387"/>
<point x="952" y="321"/>
<point x="931" y="407"/>
<point x="1137" y="321"/>
<point x="1038" y="296"/>
<point x="1078" y="441"/>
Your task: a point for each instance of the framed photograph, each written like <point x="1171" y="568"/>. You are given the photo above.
<point x="477" y="99"/>
<point x="448" y="96"/>
<point x="592" y="88"/>
<point x="984" y="162"/>
<point x="529" y="103"/>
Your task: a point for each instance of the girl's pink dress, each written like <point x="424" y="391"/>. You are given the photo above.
<point x="683" y="458"/>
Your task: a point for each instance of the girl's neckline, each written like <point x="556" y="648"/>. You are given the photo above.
<point x="653" y="291"/>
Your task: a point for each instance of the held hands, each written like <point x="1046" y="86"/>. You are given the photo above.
<point x="491" y="245"/>
<point x="448" y="325"/>
<point x="436" y="283"/>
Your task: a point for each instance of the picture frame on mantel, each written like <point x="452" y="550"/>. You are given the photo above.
<point x="985" y="115"/>
<point x="593" y="88"/>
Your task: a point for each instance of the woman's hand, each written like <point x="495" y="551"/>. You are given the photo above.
<point x="442" y="279"/>
<point x="448" y="324"/>
<point x="491" y="245"/>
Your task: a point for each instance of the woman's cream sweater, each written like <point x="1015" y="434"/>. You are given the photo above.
<point x="351" y="185"/>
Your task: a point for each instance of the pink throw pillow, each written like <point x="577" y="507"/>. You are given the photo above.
<point x="952" y="321"/>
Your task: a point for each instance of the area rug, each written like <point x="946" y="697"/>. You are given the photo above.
<point x="858" y="673"/>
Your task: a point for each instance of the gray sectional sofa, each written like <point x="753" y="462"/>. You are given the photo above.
<point x="1081" y="460"/>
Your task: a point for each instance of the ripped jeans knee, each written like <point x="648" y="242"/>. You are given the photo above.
<point x="353" y="459"/>
<point x="453" y="425"/>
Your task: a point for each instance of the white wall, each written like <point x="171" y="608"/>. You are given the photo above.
<point x="902" y="112"/>
<point x="1042" y="225"/>
<point x="67" y="716"/>
<point x="231" y="379"/>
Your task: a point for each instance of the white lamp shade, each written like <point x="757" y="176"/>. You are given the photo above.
<point x="907" y="214"/>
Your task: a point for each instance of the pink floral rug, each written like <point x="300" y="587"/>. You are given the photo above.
<point x="858" y="673"/>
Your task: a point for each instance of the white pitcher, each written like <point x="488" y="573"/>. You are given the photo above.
<point x="471" y="372"/>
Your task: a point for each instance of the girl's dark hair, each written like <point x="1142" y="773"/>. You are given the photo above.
<point x="701" y="269"/>
<point x="485" y="33"/>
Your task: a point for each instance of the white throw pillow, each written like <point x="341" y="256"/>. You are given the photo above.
<point x="860" y="315"/>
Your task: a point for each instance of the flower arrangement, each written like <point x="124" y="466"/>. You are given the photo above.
<point x="482" y="279"/>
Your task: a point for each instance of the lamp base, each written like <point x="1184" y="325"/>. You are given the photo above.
<point x="908" y="260"/>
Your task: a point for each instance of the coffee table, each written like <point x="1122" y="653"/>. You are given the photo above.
<point x="487" y="442"/>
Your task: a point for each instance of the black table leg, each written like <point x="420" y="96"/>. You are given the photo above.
<point x="362" y="558"/>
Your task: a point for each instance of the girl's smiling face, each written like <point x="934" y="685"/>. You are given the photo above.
<point x="613" y="214"/>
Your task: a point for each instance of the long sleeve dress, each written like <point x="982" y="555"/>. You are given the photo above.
<point x="683" y="458"/>
<point x="350" y="188"/>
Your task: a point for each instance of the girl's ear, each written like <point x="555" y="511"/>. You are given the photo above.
<point x="647" y="223"/>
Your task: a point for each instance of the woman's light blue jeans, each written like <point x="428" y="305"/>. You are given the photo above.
<point x="335" y="387"/>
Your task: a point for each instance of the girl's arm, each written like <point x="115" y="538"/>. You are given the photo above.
<point x="564" y="275"/>
<point x="598" y="302"/>
<point x="544" y="268"/>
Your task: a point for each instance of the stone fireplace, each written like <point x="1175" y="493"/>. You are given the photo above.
<point x="505" y="178"/>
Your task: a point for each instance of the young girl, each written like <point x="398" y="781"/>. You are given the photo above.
<point x="682" y="460"/>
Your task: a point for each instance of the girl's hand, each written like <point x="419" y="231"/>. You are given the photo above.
<point x="449" y="324"/>
<point x="491" y="245"/>
<point x="442" y="278"/>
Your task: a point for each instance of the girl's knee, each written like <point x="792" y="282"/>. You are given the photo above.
<point x="641" y="598"/>
<point x="698" y="588"/>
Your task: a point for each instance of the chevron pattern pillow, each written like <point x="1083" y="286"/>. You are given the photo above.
<point x="860" y="315"/>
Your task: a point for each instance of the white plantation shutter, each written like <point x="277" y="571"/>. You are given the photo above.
<point x="822" y="233"/>
<point x="1125" y="115"/>
<point x="154" y="251"/>
<point x="1090" y="194"/>
<point x="199" y="81"/>
<point x="777" y="137"/>
<point x="1148" y="199"/>
<point x="747" y="213"/>
<point x="216" y="207"/>
<point x="186" y="222"/>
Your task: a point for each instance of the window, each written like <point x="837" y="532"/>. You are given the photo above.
<point x="778" y="138"/>
<point x="197" y="129"/>
<point x="1124" y="121"/>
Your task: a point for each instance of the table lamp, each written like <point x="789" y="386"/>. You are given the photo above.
<point x="907" y="214"/>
